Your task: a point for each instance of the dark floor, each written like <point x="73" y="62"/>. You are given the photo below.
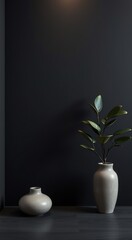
<point x="67" y="223"/>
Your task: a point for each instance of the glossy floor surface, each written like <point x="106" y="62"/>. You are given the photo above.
<point x="67" y="223"/>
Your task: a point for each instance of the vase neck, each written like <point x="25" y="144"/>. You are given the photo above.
<point x="106" y="165"/>
<point x="35" y="190"/>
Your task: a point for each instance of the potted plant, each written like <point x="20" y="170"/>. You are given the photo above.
<point x="105" y="178"/>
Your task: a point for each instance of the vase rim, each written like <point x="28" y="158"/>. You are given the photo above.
<point x="105" y="164"/>
<point x="35" y="188"/>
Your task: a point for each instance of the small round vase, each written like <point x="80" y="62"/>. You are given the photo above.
<point x="35" y="202"/>
<point x="105" y="187"/>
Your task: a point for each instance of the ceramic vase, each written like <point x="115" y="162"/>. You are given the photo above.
<point x="35" y="202"/>
<point x="105" y="188"/>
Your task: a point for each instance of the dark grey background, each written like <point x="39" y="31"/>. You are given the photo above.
<point x="2" y="99"/>
<point x="58" y="58"/>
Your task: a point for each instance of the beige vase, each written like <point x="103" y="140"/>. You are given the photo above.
<point x="35" y="202"/>
<point x="105" y="188"/>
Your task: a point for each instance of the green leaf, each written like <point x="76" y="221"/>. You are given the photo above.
<point x="86" y="147"/>
<point x="93" y="107"/>
<point x="115" y="112"/>
<point x="87" y="136"/>
<point x="122" y="131"/>
<point x="98" y="103"/>
<point x="105" y="139"/>
<point x="110" y="123"/>
<point x="122" y="139"/>
<point x="93" y="125"/>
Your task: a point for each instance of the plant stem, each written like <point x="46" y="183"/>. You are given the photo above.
<point x="103" y="149"/>
<point x="98" y="118"/>
<point x="97" y="153"/>
<point x="99" y="156"/>
<point x="103" y="130"/>
<point x="103" y="152"/>
<point x="109" y="149"/>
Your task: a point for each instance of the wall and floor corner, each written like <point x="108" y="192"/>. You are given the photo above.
<point x="58" y="58"/>
<point x="2" y="101"/>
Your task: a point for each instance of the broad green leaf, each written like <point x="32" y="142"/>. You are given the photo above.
<point x="105" y="139"/>
<point x="86" y="147"/>
<point x="122" y="131"/>
<point x="115" y="112"/>
<point x="122" y="139"/>
<point x="94" y="126"/>
<point x="93" y="107"/>
<point x="98" y="103"/>
<point x="87" y="136"/>
<point x="110" y="123"/>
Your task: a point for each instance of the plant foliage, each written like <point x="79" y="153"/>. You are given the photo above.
<point x="99" y="127"/>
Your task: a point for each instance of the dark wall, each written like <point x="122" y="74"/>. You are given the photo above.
<point x="2" y="100"/>
<point x="59" y="56"/>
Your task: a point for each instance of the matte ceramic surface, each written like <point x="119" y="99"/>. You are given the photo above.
<point x="35" y="203"/>
<point x="105" y="188"/>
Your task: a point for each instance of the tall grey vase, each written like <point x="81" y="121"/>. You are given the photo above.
<point x="105" y="187"/>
